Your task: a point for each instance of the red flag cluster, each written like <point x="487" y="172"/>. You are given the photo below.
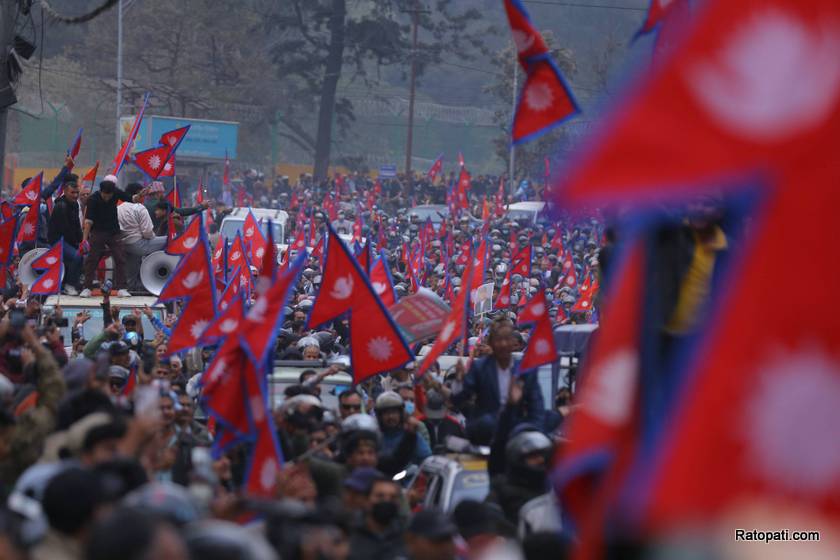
<point x="51" y="263"/>
<point x="377" y="344"/>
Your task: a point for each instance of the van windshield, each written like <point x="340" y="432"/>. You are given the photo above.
<point x="232" y="226"/>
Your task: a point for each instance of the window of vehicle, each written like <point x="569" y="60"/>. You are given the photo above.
<point x="95" y="324"/>
<point x="469" y="485"/>
<point x="232" y="226"/>
<point x="434" y="492"/>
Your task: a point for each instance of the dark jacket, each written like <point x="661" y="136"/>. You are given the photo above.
<point x="103" y="213"/>
<point x="483" y="382"/>
<point x="365" y="545"/>
<point x="440" y="429"/>
<point x="64" y="221"/>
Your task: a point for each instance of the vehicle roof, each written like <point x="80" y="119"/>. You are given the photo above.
<point x="457" y="461"/>
<point x="288" y="374"/>
<point x="530" y="205"/>
<point x="76" y="301"/>
<point x="260" y="213"/>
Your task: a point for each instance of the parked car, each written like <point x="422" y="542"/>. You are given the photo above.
<point x="443" y="481"/>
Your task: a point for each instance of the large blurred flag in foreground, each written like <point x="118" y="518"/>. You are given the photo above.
<point x="747" y="107"/>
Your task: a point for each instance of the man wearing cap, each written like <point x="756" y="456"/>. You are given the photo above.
<point x="65" y="223"/>
<point x="356" y="488"/>
<point x="102" y="231"/>
<point x="430" y="536"/>
<point x="439" y="424"/>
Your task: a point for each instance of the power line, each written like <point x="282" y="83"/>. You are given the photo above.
<point x="579" y="5"/>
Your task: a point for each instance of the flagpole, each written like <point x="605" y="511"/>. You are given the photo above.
<point x="513" y="112"/>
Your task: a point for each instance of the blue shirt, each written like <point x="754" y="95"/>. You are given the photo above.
<point x="391" y="440"/>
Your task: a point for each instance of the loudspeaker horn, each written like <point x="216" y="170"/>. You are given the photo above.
<point x="156" y="269"/>
<point x="26" y="273"/>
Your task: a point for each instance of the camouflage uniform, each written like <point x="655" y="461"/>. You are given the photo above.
<point x="34" y="425"/>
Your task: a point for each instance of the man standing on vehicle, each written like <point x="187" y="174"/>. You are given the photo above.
<point x="65" y="223"/>
<point x="102" y="231"/>
<point x="491" y="382"/>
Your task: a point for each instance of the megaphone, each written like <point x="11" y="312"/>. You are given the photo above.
<point x="156" y="269"/>
<point x="26" y="274"/>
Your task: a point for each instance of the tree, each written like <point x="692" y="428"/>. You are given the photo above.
<point x="530" y="155"/>
<point x="316" y="42"/>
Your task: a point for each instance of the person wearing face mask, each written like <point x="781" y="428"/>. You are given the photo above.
<point x="380" y="534"/>
<point x="399" y="433"/>
<point x="298" y="321"/>
<point x="406" y="391"/>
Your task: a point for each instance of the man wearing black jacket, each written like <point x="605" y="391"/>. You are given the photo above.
<point x="66" y="223"/>
<point x="102" y="231"/>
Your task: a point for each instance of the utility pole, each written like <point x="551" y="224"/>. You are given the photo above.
<point x="512" y="159"/>
<point x="119" y="70"/>
<point x="8" y="10"/>
<point x="415" y="16"/>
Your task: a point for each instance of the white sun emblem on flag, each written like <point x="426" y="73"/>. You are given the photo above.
<point x="28" y="228"/>
<point x="48" y="283"/>
<point x="745" y="85"/>
<point x="198" y="328"/>
<point x="260" y="252"/>
<point x="570" y="280"/>
<point x="538" y="96"/>
<point x="538" y="309"/>
<point x="257" y="311"/>
<point x="268" y="474"/>
<point x="584" y="303"/>
<point x="379" y="348"/>
<point x="51" y="260"/>
<point x="154" y="162"/>
<point x="522" y="40"/>
<point x="193" y="279"/>
<point x="610" y="396"/>
<point x="228" y="325"/>
<point x="541" y="346"/>
<point x="342" y="288"/>
<point x="790" y="420"/>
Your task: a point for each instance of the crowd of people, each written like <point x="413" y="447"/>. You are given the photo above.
<point x="95" y="468"/>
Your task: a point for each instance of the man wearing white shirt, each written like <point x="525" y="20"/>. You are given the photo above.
<point x="138" y="236"/>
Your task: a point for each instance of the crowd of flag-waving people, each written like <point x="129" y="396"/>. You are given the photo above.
<point x="508" y="430"/>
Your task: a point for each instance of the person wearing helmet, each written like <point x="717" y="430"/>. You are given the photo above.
<point x="399" y="434"/>
<point x="526" y="456"/>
